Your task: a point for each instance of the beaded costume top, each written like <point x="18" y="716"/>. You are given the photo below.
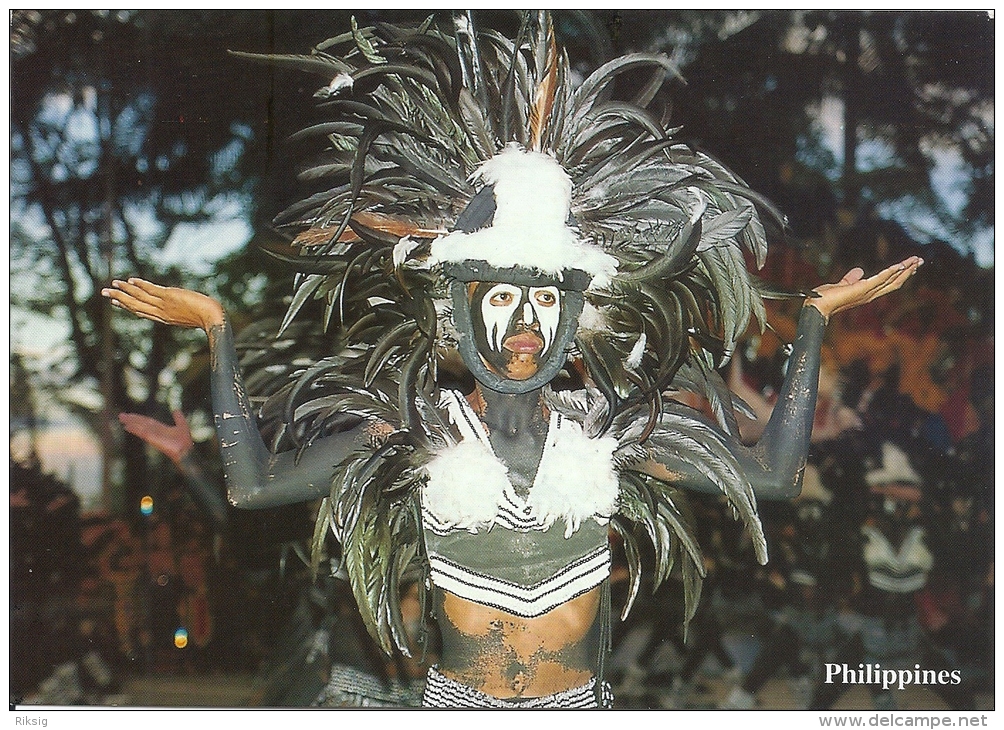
<point x="522" y="554"/>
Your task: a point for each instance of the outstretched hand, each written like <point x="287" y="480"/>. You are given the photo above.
<point x="165" y="304"/>
<point x="854" y="289"/>
<point x="172" y="441"/>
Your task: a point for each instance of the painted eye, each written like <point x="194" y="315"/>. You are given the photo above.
<point x="501" y="299"/>
<point x="546" y="298"/>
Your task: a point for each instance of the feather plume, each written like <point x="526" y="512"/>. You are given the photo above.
<point x="547" y="85"/>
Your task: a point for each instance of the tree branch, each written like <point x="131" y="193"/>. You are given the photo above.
<point x="85" y="352"/>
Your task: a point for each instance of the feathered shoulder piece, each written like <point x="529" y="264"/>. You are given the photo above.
<point x="415" y="118"/>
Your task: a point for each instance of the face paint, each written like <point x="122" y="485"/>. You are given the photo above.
<point x="514" y="326"/>
<point x="498" y="306"/>
<point x="546" y="305"/>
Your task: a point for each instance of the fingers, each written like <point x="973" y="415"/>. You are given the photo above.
<point x="126" y="295"/>
<point x="139" y="308"/>
<point x="893" y="277"/>
<point x="885" y="282"/>
<point x="853" y="276"/>
<point x="904" y="269"/>
<point x="148" y="287"/>
<point x="895" y="282"/>
<point x="853" y="290"/>
<point x="136" y="424"/>
<point x="138" y="289"/>
<point x="179" y="419"/>
<point x="142" y="298"/>
<point x="895" y="274"/>
<point x="166" y="305"/>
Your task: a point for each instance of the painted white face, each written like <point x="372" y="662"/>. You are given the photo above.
<point x="514" y="335"/>
<point x="497" y="309"/>
<point x="506" y="306"/>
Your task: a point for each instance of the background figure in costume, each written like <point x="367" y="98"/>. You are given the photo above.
<point x="474" y="200"/>
<point x="895" y="561"/>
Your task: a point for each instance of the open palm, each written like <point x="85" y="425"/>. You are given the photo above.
<point x="165" y="304"/>
<point x="854" y="289"/>
<point x="172" y="441"/>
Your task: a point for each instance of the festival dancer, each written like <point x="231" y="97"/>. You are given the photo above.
<point x="585" y="265"/>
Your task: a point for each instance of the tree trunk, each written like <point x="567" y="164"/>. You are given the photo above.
<point x="851" y="89"/>
<point x="111" y="497"/>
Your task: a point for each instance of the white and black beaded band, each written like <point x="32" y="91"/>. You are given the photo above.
<point x="578" y="577"/>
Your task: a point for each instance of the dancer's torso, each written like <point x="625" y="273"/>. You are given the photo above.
<point x="518" y="586"/>
<point x="509" y="656"/>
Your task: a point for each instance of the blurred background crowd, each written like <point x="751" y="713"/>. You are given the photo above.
<point x="139" y="146"/>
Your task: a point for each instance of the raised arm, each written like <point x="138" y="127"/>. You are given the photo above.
<point x="774" y="465"/>
<point x="255" y="477"/>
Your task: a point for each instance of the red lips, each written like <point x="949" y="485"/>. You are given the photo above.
<point x="524" y="343"/>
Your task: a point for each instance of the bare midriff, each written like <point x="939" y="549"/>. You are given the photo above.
<point x="509" y="656"/>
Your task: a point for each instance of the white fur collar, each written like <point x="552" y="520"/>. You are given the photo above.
<point x="465" y="486"/>
<point x="575" y="480"/>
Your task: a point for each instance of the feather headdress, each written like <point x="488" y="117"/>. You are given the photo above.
<point x="420" y="122"/>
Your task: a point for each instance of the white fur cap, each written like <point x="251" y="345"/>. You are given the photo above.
<point x="895" y="468"/>
<point x="530" y="229"/>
